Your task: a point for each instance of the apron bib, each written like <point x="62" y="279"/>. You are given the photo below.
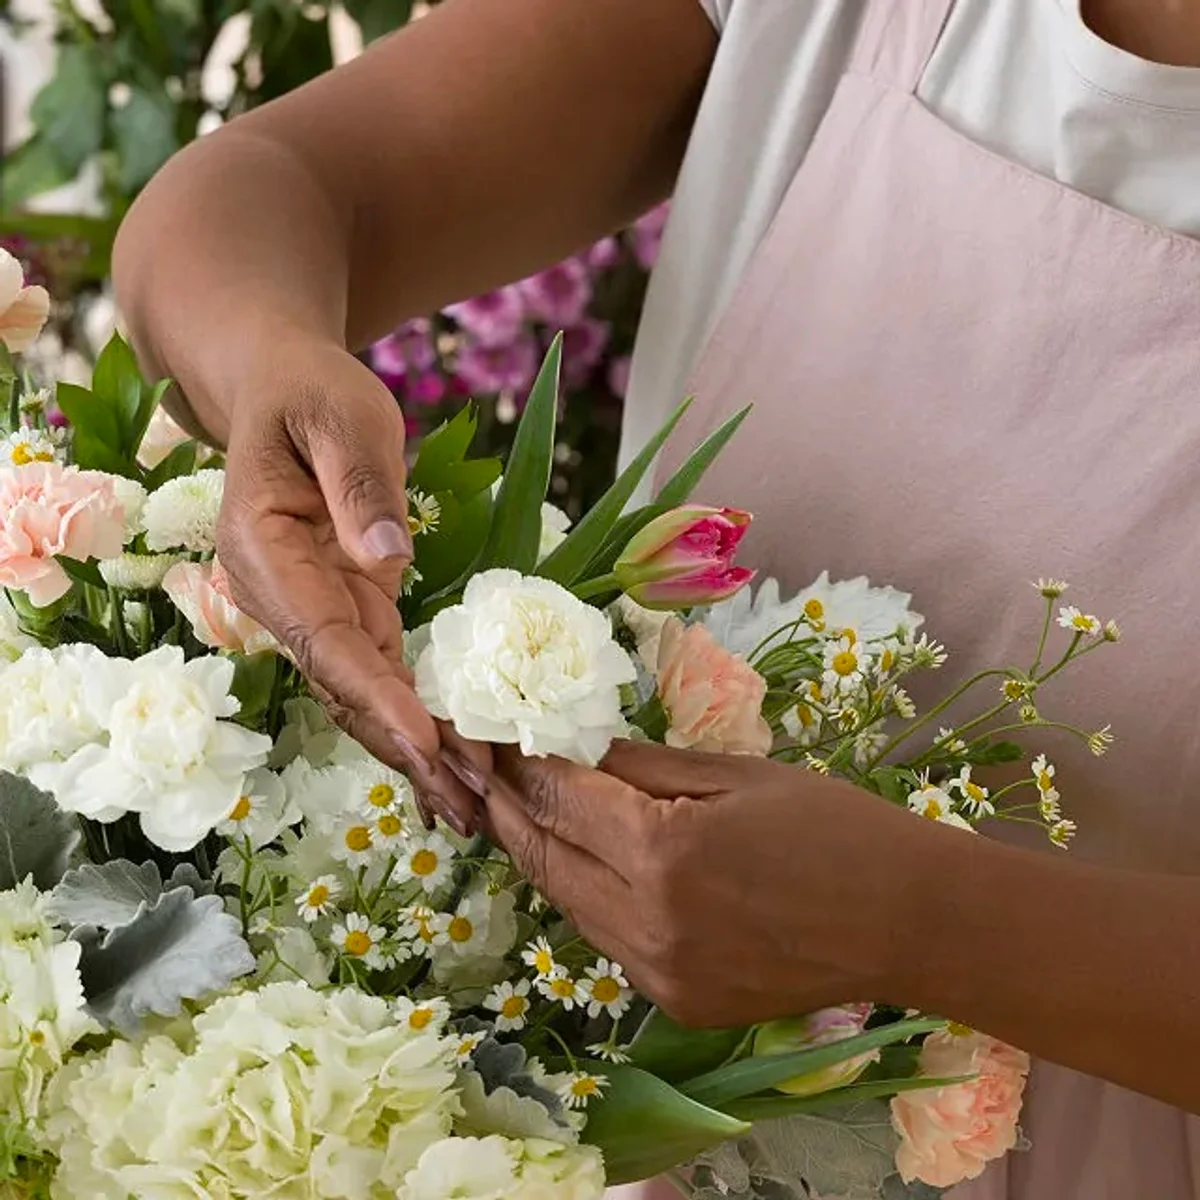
<point x="966" y="376"/>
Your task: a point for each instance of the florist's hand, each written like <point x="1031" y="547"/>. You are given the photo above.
<point x="314" y="536"/>
<point x="732" y="889"/>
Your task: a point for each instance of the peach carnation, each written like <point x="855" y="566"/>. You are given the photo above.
<point x="201" y="592"/>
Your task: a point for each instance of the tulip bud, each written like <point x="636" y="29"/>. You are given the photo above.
<point x="807" y="1033"/>
<point x="685" y="558"/>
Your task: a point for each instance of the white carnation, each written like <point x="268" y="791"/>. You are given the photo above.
<point x="170" y="754"/>
<point x="13" y="640"/>
<point x="132" y="498"/>
<point x="521" y="660"/>
<point x="555" y="526"/>
<point x="183" y="513"/>
<point x="136" y="572"/>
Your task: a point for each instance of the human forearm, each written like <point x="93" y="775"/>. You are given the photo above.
<point x="1092" y="968"/>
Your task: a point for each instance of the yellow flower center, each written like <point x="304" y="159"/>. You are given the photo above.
<point x="805" y="715"/>
<point x="954" y="1029"/>
<point x="424" y="863"/>
<point x="37" y="1037"/>
<point x="814" y="610"/>
<point x="975" y="792"/>
<point x="425" y="931"/>
<point x="1082" y="622"/>
<point x="563" y="988"/>
<point x="389" y="825"/>
<point x="814" y="690"/>
<point x="514" y="1007"/>
<point x="381" y="795"/>
<point x="1045" y="781"/>
<point x="419" y="1018"/>
<point x="850" y="635"/>
<point x="933" y="808"/>
<point x="318" y="895"/>
<point x="358" y="838"/>
<point x="584" y="1088"/>
<point x="22" y="455"/>
<point x="461" y="930"/>
<point x="1014" y="690"/>
<point x="415" y="524"/>
<point x="606" y="990"/>
<point x="357" y="942"/>
<point x="543" y="962"/>
<point x="845" y="663"/>
<point x="241" y="810"/>
<point x="887" y="660"/>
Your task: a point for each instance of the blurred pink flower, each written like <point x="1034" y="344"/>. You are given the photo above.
<point x="46" y="510"/>
<point x="559" y="297"/>
<point x="618" y="376"/>
<point x="949" y="1134"/>
<point x="429" y="387"/>
<point x="604" y="255"/>
<point x="485" y="370"/>
<point x="409" y="350"/>
<point x="713" y="699"/>
<point x="201" y="592"/>
<point x="583" y="348"/>
<point x="55" y="417"/>
<point x="23" y="310"/>
<point x="493" y="319"/>
<point x="647" y="235"/>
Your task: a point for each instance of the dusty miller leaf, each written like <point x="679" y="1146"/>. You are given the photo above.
<point x="179" y="948"/>
<point x="109" y="895"/>
<point x="36" y="837"/>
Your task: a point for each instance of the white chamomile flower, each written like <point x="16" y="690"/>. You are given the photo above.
<point x="924" y="653"/>
<point x="1043" y="774"/>
<point x="949" y="741"/>
<point x="388" y="832"/>
<point x="608" y="1052"/>
<point x="606" y="990"/>
<point x="36" y="400"/>
<point x="420" y="1015"/>
<point x="1049" y="808"/>
<point x="262" y="812"/>
<point x="377" y="788"/>
<point x="182" y="514"/>
<point x="424" y="512"/>
<point x="26" y="446"/>
<point x="847" y="661"/>
<point x="902" y="702"/>
<point x="427" y="861"/>
<point x="358" y="938"/>
<point x="468" y="925"/>
<point x="468" y="1043"/>
<point x="1078" y="622"/>
<point x="933" y="803"/>
<point x="581" y="1087"/>
<point x="1015" y="690"/>
<point x="410" y="579"/>
<point x="540" y="956"/>
<point x="510" y="1002"/>
<point x="801" y="723"/>
<point x="562" y="988"/>
<point x="317" y="899"/>
<point x="136" y="572"/>
<point x="1061" y="833"/>
<point x="974" y="795"/>
<point x="867" y="746"/>
<point x="1100" y="741"/>
<point x="353" y="841"/>
<point x="425" y="928"/>
<point x="1051" y="588"/>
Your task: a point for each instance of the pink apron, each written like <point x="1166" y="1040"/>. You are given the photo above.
<point x="967" y="376"/>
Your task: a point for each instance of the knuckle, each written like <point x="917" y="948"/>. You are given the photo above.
<point x="362" y="487"/>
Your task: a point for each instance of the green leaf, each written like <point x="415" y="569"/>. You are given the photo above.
<point x="997" y="752"/>
<point x="293" y="46"/>
<point x="253" y="683"/>
<point x="679" y="488"/>
<point x="666" y="1049"/>
<point x="89" y="415"/>
<point x="30" y="170"/>
<point x="36" y="837"/>
<point x="569" y="561"/>
<point x="180" y="461"/>
<point x="117" y="384"/>
<point x="144" y="132"/>
<point x="737" y="1080"/>
<point x="892" y="783"/>
<point x="445" y="557"/>
<point x="379" y="17"/>
<point x="770" y="1108"/>
<point x="68" y="112"/>
<point x="83" y="572"/>
<point x="516" y="531"/>
<point x="446" y="445"/>
<point x="644" y="1127"/>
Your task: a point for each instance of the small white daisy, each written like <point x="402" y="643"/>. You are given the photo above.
<point x="949" y="741"/>
<point x="510" y="1002"/>
<point x="931" y="801"/>
<point x="846" y="664"/>
<point x="319" y="897"/>
<point x="974" y="795"/>
<point x="388" y="831"/>
<point x="420" y="1015"/>
<point x="1043" y="774"/>
<point x="924" y="653"/>
<point x="606" y="990"/>
<point x="428" y="861"/>
<point x="1061" y="833"/>
<point x="1112" y="631"/>
<point x="1051" y="588"/>
<point x="467" y="1044"/>
<point x="358" y="938"/>
<point x="607" y="1052"/>
<point x="1078" y="622"/>
<point x="379" y="789"/>
<point x="540" y="956"/>
<point x="425" y="928"/>
<point x="424" y="512"/>
<point x="580" y="1088"/>
<point x="410" y="579"/>
<point x="353" y="841"/>
<point x="1099" y="742"/>
<point x="563" y="989"/>
<point x="24" y="447"/>
<point x="903" y="704"/>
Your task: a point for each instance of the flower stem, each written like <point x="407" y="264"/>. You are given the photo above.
<point x="117" y="618"/>
<point x="596" y="587"/>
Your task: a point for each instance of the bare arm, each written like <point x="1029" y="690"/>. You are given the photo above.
<point x="484" y="141"/>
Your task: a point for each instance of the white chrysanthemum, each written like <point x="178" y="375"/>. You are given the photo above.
<point x="132" y="497"/>
<point x="521" y="660"/>
<point x="183" y="513"/>
<point x="26" y="446"/>
<point x="13" y="640"/>
<point x="136" y="572"/>
<point x="265" y="1088"/>
<point x="555" y="527"/>
<point x="262" y="812"/>
<point x="744" y="623"/>
<point x="170" y="755"/>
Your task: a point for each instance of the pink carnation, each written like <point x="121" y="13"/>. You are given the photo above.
<point x="712" y="698"/>
<point x="46" y="510"/>
<point x="201" y="592"/>
<point x="949" y="1134"/>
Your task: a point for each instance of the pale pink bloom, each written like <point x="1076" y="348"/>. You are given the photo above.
<point x="713" y="699"/>
<point x="618" y="376"/>
<point x="23" y="310"/>
<point x="47" y="509"/>
<point x="560" y="295"/>
<point x="485" y="370"/>
<point x="583" y="348"/>
<point x="604" y="255"/>
<point x="492" y="319"/>
<point x="949" y="1134"/>
<point x="647" y="236"/>
<point x="162" y="436"/>
<point x="201" y="592"/>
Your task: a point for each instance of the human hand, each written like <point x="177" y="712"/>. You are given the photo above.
<point x="315" y="540"/>
<point x="733" y="890"/>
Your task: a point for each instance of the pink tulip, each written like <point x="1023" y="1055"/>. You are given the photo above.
<point x="818" y="1029"/>
<point x="685" y="558"/>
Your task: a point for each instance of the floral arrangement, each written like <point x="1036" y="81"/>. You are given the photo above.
<point x="235" y="962"/>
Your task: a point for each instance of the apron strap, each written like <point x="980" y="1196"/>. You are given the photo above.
<point x="897" y="38"/>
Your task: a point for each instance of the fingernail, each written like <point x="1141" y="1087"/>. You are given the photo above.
<point x="466" y="772"/>
<point x="388" y="539"/>
<point x="457" y="822"/>
<point x="415" y="757"/>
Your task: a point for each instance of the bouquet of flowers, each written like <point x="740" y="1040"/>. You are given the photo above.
<point x="235" y="963"/>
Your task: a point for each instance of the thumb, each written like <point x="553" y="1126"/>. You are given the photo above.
<point x="356" y="451"/>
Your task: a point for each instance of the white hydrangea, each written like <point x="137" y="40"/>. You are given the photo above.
<point x="521" y="660"/>
<point x="167" y="752"/>
<point x="267" y="1092"/>
<point x="132" y="498"/>
<point x="136" y="572"/>
<point x="13" y="640"/>
<point x="182" y="514"/>
<point x="555" y="527"/>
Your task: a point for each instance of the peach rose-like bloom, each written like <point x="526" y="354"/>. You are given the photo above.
<point x="23" y="310"/>
<point x="201" y="592"/>
<point x="713" y="699"/>
<point x="949" y="1134"/>
<point x="46" y="510"/>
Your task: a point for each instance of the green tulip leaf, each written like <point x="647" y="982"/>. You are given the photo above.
<point x="666" y="1049"/>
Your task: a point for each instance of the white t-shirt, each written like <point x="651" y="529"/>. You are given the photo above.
<point x="1026" y="78"/>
